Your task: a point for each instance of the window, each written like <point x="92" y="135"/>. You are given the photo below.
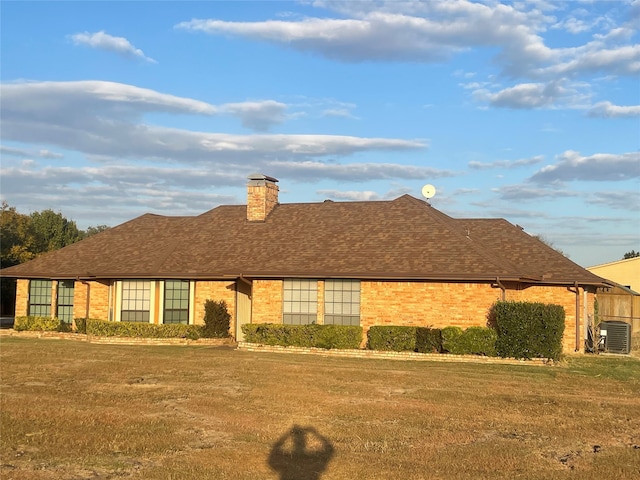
<point x="176" y="301"/>
<point x="136" y="301"/>
<point x="342" y="302"/>
<point x="300" y="306"/>
<point x="65" y="300"/>
<point x="40" y="298"/>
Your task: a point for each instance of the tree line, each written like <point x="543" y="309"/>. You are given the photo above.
<point x="24" y="237"/>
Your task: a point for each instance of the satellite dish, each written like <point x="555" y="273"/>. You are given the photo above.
<point x="428" y="191"/>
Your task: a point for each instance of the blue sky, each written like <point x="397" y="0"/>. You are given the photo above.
<point x="528" y="111"/>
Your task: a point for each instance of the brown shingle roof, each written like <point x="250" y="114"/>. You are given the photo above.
<point x="403" y="239"/>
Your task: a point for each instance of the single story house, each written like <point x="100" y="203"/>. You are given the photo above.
<point x="398" y="262"/>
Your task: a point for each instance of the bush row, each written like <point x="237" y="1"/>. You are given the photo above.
<point x="517" y="329"/>
<point x="313" y="335"/>
<point x="473" y="340"/>
<point x="102" y="328"/>
<point x="43" y="324"/>
<point x="404" y="339"/>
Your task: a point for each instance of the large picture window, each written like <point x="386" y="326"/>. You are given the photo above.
<point x="65" y="300"/>
<point x="40" y="298"/>
<point x="342" y="302"/>
<point x="176" y="301"/>
<point x="136" y="301"/>
<point x="300" y="305"/>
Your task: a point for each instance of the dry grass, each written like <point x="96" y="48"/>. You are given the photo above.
<point x="72" y="410"/>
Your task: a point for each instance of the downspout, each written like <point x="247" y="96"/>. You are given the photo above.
<point x="501" y="287"/>
<point x="575" y="289"/>
<point x="87" y="303"/>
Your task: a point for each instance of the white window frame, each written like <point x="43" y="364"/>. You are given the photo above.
<point x="152" y="298"/>
<point x="154" y="286"/>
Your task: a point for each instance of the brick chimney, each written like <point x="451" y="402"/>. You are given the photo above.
<point x="262" y="197"/>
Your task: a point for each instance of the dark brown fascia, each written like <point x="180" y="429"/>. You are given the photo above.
<point x="250" y="276"/>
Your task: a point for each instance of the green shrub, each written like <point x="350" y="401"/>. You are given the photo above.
<point x="392" y="338"/>
<point x="479" y="341"/>
<point x="428" y="340"/>
<point x="529" y="330"/>
<point x="42" y="324"/>
<point x="451" y="340"/>
<point x="472" y="341"/>
<point x="313" y="335"/>
<point x="102" y="328"/>
<point x="81" y="325"/>
<point x="338" y="336"/>
<point x="216" y="319"/>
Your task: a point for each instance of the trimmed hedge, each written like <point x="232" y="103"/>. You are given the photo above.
<point x="472" y="341"/>
<point x="391" y="338"/>
<point x="451" y="340"/>
<point x="529" y="330"/>
<point x="313" y="335"/>
<point x="81" y="325"/>
<point x="428" y="340"/>
<point x="104" y="328"/>
<point x="404" y="339"/>
<point x="42" y="324"/>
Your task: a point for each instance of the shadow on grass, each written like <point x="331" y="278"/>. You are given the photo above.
<point x="301" y="454"/>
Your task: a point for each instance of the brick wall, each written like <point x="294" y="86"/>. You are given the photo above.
<point x="382" y="303"/>
<point x="266" y="303"/>
<point x="215" y="290"/>
<point x="427" y="304"/>
<point x="22" y="298"/>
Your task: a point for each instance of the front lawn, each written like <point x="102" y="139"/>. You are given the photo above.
<point x="74" y="410"/>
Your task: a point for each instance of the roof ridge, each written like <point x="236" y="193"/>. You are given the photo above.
<point x="453" y="223"/>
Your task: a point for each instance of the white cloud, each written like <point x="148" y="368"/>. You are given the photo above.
<point x="22" y="153"/>
<point x="594" y="57"/>
<point x="598" y="167"/>
<point x="354" y="172"/>
<point x="260" y="116"/>
<point x="526" y="192"/>
<point x="339" y="113"/>
<point x="523" y="162"/>
<point x="618" y="200"/>
<point x="48" y="154"/>
<point x="90" y="99"/>
<point x="104" y="41"/>
<point x="112" y="194"/>
<point x="428" y="32"/>
<point x="351" y="195"/>
<point x="104" y="120"/>
<point x="396" y="31"/>
<point x="435" y="31"/>
<point x="534" y="95"/>
<point x="609" y="110"/>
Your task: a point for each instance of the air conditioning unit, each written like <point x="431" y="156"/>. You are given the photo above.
<point x="616" y="336"/>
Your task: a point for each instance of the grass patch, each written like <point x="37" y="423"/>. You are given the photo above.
<point x="79" y="410"/>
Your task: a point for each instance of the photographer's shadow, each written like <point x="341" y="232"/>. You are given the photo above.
<point x="301" y="454"/>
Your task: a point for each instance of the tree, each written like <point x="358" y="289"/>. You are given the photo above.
<point x="17" y="245"/>
<point x="631" y="254"/>
<point x="549" y="243"/>
<point x="24" y="237"/>
<point x="91" y="230"/>
<point x="53" y="231"/>
<point x="19" y="241"/>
